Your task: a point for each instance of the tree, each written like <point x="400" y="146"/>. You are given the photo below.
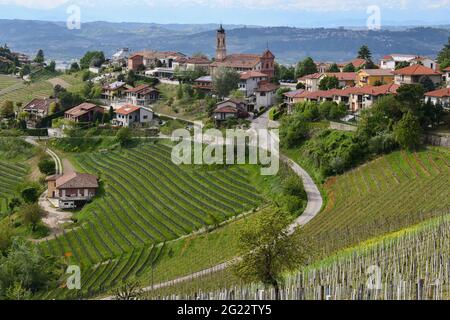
<point x="111" y="113"/>
<point x="237" y="94"/>
<point x="410" y="96"/>
<point x="47" y="166"/>
<point x="92" y="59"/>
<point x="280" y="94"/>
<point x="39" y="57"/>
<point x="54" y="107"/>
<point x="349" y="68"/>
<point x="180" y="92"/>
<point x="402" y="64"/>
<point x="328" y="83"/>
<point x="294" y="130"/>
<point x="268" y="251"/>
<point x="364" y="53"/>
<point x="334" y="68"/>
<point x="443" y="57"/>
<point x="427" y="84"/>
<point x="74" y="67"/>
<point x="51" y="67"/>
<point x="225" y="81"/>
<point x="408" y="132"/>
<point x="7" y="110"/>
<point x="32" y="215"/>
<point x="305" y="67"/>
<point x="25" y="265"/>
<point x="30" y="194"/>
<point x="124" y="136"/>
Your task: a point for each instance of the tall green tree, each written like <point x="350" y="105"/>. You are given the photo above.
<point x="305" y="67"/>
<point x="408" y="131"/>
<point x="333" y="68"/>
<point x="444" y="55"/>
<point x="328" y="83"/>
<point x="225" y="81"/>
<point x="39" y="57"/>
<point x="7" y="110"/>
<point x="364" y="53"/>
<point x="349" y="68"/>
<point x="92" y="58"/>
<point x="268" y="251"/>
<point x="32" y="215"/>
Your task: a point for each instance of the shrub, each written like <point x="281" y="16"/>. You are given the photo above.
<point x="47" y="166"/>
<point x="30" y="194"/>
<point x="293" y="186"/>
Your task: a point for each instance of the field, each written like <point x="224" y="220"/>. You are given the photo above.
<point x="7" y="81"/>
<point x="11" y="175"/>
<point x="386" y="195"/>
<point x="407" y="265"/>
<point x="146" y="201"/>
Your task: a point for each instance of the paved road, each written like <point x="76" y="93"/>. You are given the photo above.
<point x="314" y="206"/>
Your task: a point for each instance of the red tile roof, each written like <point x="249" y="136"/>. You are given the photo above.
<point x="76" y="180"/>
<point x="416" y="69"/>
<point x="265" y="86"/>
<point x="226" y="109"/>
<point x="294" y="94"/>
<point x="252" y="74"/>
<point x="343" y="76"/>
<point x="377" y="72"/>
<point x="247" y="61"/>
<point x="39" y="104"/>
<point x="311" y="76"/>
<point x="127" y="109"/>
<point x="142" y="89"/>
<point x="439" y="93"/>
<point x="81" y="109"/>
<point x="447" y="69"/>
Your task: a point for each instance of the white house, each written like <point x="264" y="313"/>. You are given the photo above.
<point x="415" y="73"/>
<point x="130" y="115"/>
<point x="121" y="55"/>
<point x="94" y="70"/>
<point x="311" y="81"/>
<point x="441" y="96"/>
<point x="391" y="61"/>
<point x="266" y="94"/>
<point x="447" y="76"/>
<point x="250" y="80"/>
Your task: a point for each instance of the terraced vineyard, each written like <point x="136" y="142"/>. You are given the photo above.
<point x="385" y="195"/>
<point x="7" y="81"/>
<point x="26" y="92"/>
<point x="148" y="200"/>
<point x="11" y="175"/>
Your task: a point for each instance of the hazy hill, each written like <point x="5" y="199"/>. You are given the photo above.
<point x="289" y="44"/>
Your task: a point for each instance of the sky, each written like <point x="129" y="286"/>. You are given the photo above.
<point x="298" y="13"/>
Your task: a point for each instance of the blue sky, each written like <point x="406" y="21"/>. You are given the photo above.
<point x="309" y="13"/>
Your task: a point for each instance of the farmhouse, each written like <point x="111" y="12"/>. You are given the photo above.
<point x="85" y="112"/>
<point x="142" y="95"/>
<point x="72" y="189"/>
<point x="39" y="108"/>
<point x="131" y="115"/>
<point x="230" y="108"/>
<point x="264" y="63"/>
<point x="441" y="96"/>
<point x="371" y="77"/>
<point x="415" y="73"/>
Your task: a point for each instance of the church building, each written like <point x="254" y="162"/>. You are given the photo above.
<point x="264" y="63"/>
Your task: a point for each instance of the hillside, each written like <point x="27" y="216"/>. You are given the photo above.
<point x="288" y="44"/>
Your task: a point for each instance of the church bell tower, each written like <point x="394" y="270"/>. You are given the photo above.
<point x="221" y="50"/>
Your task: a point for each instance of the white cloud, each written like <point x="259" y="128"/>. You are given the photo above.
<point x="35" y="4"/>
<point x="298" y="5"/>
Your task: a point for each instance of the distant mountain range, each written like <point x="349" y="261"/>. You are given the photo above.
<point x="288" y="44"/>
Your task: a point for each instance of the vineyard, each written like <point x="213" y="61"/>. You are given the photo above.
<point x="11" y="175"/>
<point x="407" y="265"/>
<point x="385" y="195"/>
<point x="146" y="202"/>
<point x="7" y="81"/>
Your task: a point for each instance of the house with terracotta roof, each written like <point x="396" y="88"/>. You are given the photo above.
<point x="142" y="95"/>
<point x="39" y="108"/>
<point x="311" y="81"/>
<point x="249" y="81"/>
<point x="440" y="96"/>
<point x="72" y="189"/>
<point x="85" y="112"/>
<point x="153" y="59"/>
<point x="370" y="77"/>
<point x="204" y="84"/>
<point x="357" y="64"/>
<point x="415" y="73"/>
<point x="265" y="94"/>
<point x="192" y="64"/>
<point x="346" y="79"/>
<point x="365" y="97"/>
<point x="264" y="62"/>
<point x="230" y="108"/>
<point x="131" y="116"/>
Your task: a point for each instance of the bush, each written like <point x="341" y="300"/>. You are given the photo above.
<point x="30" y="194"/>
<point x="294" y="130"/>
<point x="47" y="166"/>
<point x="293" y="186"/>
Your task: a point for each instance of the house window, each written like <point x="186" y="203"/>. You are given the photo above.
<point x="145" y="117"/>
<point x="263" y="94"/>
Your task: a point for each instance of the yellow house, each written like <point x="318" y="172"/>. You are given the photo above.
<point x="371" y="77"/>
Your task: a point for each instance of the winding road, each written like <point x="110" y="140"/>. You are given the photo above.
<point x="314" y="206"/>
